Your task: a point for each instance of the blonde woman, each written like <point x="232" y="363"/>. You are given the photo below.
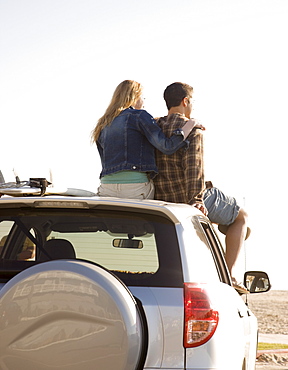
<point x="126" y="136"/>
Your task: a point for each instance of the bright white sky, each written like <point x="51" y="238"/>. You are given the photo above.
<point x="60" y="61"/>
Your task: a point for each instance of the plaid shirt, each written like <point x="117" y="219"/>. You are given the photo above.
<point x="181" y="175"/>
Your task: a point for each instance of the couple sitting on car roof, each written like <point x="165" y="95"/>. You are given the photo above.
<point x="126" y="137"/>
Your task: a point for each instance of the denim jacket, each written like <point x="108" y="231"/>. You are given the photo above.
<point x="128" y="143"/>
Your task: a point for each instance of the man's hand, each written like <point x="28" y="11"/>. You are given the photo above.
<point x="201" y="208"/>
<point x="196" y="123"/>
<point x="189" y="125"/>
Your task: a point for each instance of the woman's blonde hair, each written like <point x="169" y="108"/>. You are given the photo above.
<point x="125" y="95"/>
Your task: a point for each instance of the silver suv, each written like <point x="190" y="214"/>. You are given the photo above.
<point x="106" y="283"/>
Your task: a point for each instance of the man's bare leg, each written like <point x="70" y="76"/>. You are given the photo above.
<point x="235" y="237"/>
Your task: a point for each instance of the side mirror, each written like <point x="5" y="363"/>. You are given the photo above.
<point x="257" y="281"/>
<point x="128" y="243"/>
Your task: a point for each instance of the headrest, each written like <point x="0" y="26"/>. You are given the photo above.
<point x="57" y="249"/>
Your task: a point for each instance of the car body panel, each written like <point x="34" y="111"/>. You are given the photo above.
<point x="200" y="260"/>
<point x="164" y="313"/>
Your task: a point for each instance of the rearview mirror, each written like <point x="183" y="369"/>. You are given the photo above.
<point x="128" y="243"/>
<point x="257" y="281"/>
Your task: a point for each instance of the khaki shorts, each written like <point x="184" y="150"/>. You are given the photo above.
<point x="143" y="190"/>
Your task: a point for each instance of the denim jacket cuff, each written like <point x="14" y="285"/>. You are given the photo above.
<point x="178" y="132"/>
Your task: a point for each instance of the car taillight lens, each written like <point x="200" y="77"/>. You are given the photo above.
<point x="201" y="319"/>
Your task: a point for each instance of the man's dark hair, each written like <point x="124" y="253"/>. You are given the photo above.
<point x="175" y="93"/>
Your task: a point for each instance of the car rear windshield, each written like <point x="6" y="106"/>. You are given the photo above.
<point x="140" y="248"/>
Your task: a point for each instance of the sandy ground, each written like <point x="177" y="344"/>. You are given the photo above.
<point x="271" y="310"/>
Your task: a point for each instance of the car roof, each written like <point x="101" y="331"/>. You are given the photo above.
<point x="175" y="211"/>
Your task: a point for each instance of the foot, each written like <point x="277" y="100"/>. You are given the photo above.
<point x="239" y="287"/>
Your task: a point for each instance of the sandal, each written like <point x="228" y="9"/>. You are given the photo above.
<point x="239" y="287"/>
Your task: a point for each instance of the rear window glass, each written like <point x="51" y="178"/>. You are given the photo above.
<point x="133" y="250"/>
<point x="140" y="248"/>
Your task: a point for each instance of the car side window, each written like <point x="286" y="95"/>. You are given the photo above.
<point x="22" y="250"/>
<point x="5" y="227"/>
<point x="216" y="251"/>
<point x="203" y="267"/>
<point x="28" y="249"/>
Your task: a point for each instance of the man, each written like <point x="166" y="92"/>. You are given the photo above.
<point x="181" y="177"/>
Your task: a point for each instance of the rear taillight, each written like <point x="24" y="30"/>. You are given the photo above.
<point x="201" y="319"/>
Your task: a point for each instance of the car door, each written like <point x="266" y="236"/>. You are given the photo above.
<point x="247" y="322"/>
